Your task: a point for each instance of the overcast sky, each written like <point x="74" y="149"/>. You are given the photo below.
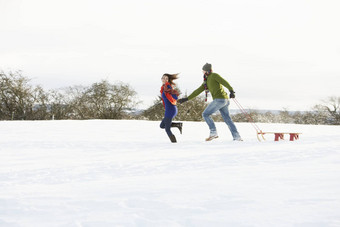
<point x="275" y="54"/>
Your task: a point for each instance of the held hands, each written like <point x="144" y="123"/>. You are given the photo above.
<point x="232" y="95"/>
<point x="182" y="100"/>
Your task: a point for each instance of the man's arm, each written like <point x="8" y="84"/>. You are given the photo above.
<point x="222" y="81"/>
<point x="196" y="92"/>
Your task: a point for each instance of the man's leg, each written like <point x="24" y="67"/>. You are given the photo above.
<point x="211" y="108"/>
<point x="227" y="119"/>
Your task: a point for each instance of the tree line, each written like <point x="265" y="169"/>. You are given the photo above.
<point x="20" y="100"/>
<point x="325" y="113"/>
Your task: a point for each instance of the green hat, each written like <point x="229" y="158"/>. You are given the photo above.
<point x="207" y="67"/>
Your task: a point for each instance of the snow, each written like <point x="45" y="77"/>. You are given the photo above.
<point x="127" y="173"/>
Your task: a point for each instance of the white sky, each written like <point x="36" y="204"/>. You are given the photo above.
<point x="275" y="54"/>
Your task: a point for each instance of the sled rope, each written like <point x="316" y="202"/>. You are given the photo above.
<point x="250" y="119"/>
<point x="247" y="115"/>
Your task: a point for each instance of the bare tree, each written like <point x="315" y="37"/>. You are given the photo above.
<point x="99" y="101"/>
<point x="76" y="101"/>
<point x="40" y="110"/>
<point x="110" y="101"/>
<point x="60" y="107"/>
<point x="330" y="110"/>
<point x="122" y="98"/>
<point x="16" y="96"/>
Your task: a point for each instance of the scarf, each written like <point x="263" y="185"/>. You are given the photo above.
<point x="205" y="78"/>
<point x="169" y="91"/>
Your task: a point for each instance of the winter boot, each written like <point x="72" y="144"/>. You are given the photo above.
<point x="238" y="139"/>
<point x="212" y="136"/>
<point x="173" y="139"/>
<point x="178" y="125"/>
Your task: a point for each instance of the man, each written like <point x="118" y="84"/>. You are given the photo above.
<point x="213" y="83"/>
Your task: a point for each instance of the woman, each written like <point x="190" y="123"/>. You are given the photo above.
<point x="169" y="98"/>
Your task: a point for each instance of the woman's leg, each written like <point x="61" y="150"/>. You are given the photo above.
<point x="166" y="124"/>
<point x="178" y="125"/>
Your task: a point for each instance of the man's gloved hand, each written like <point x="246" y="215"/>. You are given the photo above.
<point x="232" y="94"/>
<point x="182" y="100"/>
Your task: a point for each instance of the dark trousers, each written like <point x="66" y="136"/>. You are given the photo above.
<point x="166" y="123"/>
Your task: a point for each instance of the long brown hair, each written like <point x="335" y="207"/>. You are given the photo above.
<point x="171" y="77"/>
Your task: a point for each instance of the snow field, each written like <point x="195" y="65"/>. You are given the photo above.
<point x="127" y="173"/>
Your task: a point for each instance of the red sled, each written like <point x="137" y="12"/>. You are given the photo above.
<point x="279" y="135"/>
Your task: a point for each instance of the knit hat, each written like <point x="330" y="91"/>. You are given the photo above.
<point x="207" y="67"/>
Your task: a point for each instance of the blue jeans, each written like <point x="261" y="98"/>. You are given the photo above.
<point x="223" y="106"/>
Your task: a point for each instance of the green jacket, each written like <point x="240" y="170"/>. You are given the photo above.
<point x="214" y="83"/>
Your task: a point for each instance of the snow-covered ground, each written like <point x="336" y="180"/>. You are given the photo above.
<point x="127" y="173"/>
